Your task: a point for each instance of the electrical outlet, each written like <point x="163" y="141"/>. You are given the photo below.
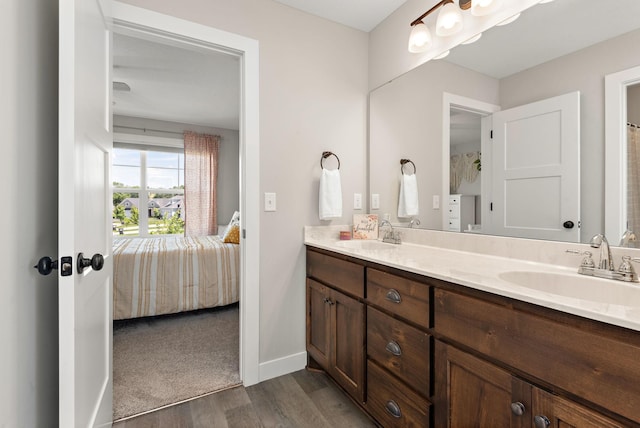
<point x="357" y="201"/>
<point x="375" y="201"/>
<point x="269" y="201"/>
<point x="436" y="202"/>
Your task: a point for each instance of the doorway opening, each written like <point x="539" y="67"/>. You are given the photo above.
<point x="149" y="26"/>
<point x="176" y="272"/>
<point x="465" y="147"/>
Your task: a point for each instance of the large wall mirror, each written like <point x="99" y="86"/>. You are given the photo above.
<point x="440" y="116"/>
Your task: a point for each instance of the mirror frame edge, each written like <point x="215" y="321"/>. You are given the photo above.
<point x="615" y="157"/>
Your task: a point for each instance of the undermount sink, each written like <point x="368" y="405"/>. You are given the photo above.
<point x="363" y="244"/>
<point x="577" y="286"/>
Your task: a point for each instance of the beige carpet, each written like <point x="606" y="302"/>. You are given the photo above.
<point x="163" y="360"/>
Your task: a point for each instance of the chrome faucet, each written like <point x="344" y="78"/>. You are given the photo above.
<point x="414" y="221"/>
<point x="606" y="259"/>
<point x="605" y="268"/>
<point x="390" y="236"/>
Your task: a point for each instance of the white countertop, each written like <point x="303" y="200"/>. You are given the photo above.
<point x="613" y="302"/>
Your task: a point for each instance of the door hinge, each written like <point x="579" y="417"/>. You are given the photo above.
<point x="490" y="206"/>
<point x="491" y="134"/>
<point x="244" y="233"/>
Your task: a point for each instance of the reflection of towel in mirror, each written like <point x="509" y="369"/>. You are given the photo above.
<point x="455" y="173"/>
<point x="408" y="200"/>
<point x="330" y="200"/>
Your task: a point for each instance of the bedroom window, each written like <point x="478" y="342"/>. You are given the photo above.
<point x="148" y="191"/>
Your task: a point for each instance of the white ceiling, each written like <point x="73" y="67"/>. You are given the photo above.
<point x="175" y="84"/>
<point x="363" y="15"/>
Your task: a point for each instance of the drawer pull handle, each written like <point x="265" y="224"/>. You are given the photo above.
<point x="393" y="409"/>
<point x="393" y="296"/>
<point x="394" y="348"/>
<point x="541" y="421"/>
<point x="517" y="408"/>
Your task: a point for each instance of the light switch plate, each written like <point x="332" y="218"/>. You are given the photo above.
<point x="375" y="201"/>
<point x="357" y="201"/>
<point x="436" y="202"/>
<point x="269" y="201"/>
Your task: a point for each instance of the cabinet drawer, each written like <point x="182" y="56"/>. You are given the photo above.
<point x="401" y="349"/>
<point x="454" y="211"/>
<point x="340" y="274"/>
<point x="404" y="297"/>
<point x="393" y="404"/>
<point x="599" y="366"/>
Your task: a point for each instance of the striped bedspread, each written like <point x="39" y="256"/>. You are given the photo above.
<point x="155" y="276"/>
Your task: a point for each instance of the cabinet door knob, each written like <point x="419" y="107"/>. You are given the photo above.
<point x="393" y="296"/>
<point x="394" y="348"/>
<point x="541" y="421"/>
<point x="517" y="408"/>
<point x="393" y="409"/>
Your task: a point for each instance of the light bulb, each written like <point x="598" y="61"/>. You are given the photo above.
<point x="484" y="7"/>
<point x="449" y="20"/>
<point x="442" y="55"/>
<point x="420" y="38"/>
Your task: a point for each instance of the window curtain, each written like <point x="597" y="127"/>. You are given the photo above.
<point x="200" y="179"/>
<point x="633" y="178"/>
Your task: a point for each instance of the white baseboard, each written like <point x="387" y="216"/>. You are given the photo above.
<point x="282" y="366"/>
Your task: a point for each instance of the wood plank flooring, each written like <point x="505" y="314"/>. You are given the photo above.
<point x="301" y="399"/>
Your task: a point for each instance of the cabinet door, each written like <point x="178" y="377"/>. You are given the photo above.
<point x="318" y="323"/>
<point x="470" y="392"/>
<point x="348" y="353"/>
<point x="556" y="412"/>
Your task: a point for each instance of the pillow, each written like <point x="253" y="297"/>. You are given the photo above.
<point x="232" y="234"/>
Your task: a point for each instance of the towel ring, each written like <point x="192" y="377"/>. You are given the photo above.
<point x="403" y="162"/>
<point x="326" y="155"/>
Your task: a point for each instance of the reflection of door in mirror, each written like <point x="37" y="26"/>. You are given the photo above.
<point x="535" y="179"/>
<point x="633" y="163"/>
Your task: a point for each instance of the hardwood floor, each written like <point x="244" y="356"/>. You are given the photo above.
<point x="301" y="399"/>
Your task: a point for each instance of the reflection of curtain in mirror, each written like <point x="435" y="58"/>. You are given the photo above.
<point x="633" y="178"/>
<point x="200" y="177"/>
<point x="455" y="172"/>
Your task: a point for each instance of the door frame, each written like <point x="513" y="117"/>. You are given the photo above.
<point x="615" y="167"/>
<point x="463" y="103"/>
<point x="144" y="23"/>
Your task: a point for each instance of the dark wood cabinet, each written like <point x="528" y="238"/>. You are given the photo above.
<point x="335" y="335"/>
<point x="416" y="351"/>
<point x="471" y="392"/>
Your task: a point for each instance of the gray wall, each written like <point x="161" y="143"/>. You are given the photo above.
<point x="28" y="301"/>
<point x="228" y="190"/>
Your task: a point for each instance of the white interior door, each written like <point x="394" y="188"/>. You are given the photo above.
<point x="85" y="298"/>
<point x="536" y="170"/>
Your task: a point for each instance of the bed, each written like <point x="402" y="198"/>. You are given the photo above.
<point x="165" y="275"/>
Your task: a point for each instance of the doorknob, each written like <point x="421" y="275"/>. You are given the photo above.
<point x="96" y="262"/>
<point x="46" y="265"/>
<point x="568" y="224"/>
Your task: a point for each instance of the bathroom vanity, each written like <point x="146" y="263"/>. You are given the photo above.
<point x="424" y="336"/>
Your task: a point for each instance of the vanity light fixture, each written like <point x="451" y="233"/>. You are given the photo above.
<point x="442" y="55"/>
<point x="449" y="22"/>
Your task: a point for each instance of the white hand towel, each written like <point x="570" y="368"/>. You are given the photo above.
<point x="408" y="200"/>
<point x="330" y="200"/>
